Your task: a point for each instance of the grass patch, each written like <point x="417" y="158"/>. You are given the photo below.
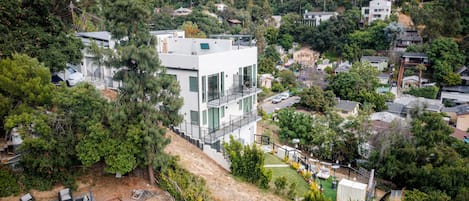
<point x="328" y="191"/>
<point x="272" y="160"/>
<point x="332" y="56"/>
<point x="301" y="185"/>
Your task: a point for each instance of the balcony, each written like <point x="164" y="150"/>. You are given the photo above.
<point x="231" y="95"/>
<point x="236" y="122"/>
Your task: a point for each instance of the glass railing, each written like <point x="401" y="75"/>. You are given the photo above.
<point x="219" y="99"/>
<point x="236" y="122"/>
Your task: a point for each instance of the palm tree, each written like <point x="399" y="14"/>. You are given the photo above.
<point x="420" y="68"/>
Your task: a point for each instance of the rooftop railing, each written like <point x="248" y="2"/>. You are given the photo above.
<point x="219" y="99"/>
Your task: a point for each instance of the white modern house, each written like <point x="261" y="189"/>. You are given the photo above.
<point x="315" y="18"/>
<point x="378" y="9"/>
<point x="100" y="75"/>
<point x="218" y="83"/>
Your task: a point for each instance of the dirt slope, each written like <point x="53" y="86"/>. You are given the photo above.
<point x="219" y="182"/>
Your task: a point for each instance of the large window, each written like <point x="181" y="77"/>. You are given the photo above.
<point x="204" y="117"/>
<point x="222" y="83"/>
<point x="193" y="84"/>
<point x="213" y="87"/>
<point x="195" y="117"/>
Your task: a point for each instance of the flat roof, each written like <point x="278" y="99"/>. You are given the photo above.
<point x="415" y="54"/>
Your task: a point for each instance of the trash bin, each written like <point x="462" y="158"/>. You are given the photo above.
<point x="334" y="184"/>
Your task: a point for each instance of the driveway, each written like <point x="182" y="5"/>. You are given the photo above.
<point x="269" y="107"/>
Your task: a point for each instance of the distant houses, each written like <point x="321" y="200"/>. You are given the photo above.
<point x="379" y="62"/>
<point x="316" y="18"/>
<point x="346" y="108"/>
<point x="377" y="10"/>
<point x="305" y="57"/>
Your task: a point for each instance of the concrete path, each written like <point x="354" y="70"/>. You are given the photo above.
<point x="276" y="165"/>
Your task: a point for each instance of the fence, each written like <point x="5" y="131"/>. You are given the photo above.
<point x="230" y="95"/>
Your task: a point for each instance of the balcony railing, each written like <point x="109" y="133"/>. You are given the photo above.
<point x="231" y="95"/>
<point x="236" y="122"/>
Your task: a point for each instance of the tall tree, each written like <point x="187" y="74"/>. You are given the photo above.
<point x="148" y="97"/>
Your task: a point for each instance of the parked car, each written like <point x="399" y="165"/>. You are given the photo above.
<point x="277" y="99"/>
<point x="70" y="75"/>
<point x="284" y="95"/>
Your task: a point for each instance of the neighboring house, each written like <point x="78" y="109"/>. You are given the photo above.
<point x="459" y="116"/>
<point x="455" y="94"/>
<point x="397" y="109"/>
<point x="316" y="18"/>
<point x="325" y="63"/>
<point x="387" y="117"/>
<point x="408" y="37"/>
<point x="380" y="63"/>
<point x="414" y="58"/>
<point x="277" y="20"/>
<point x="305" y="57"/>
<point x="100" y="75"/>
<point x="265" y="80"/>
<point x="413" y="81"/>
<point x="411" y="102"/>
<point x="346" y="108"/>
<point x="384" y="78"/>
<point x="182" y="11"/>
<point x="378" y="10"/>
<point x="343" y="67"/>
<point x="460" y="135"/>
<point x="221" y="7"/>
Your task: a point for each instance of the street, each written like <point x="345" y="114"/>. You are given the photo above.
<point x="269" y="107"/>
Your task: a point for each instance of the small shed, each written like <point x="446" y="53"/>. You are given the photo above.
<point x="350" y="190"/>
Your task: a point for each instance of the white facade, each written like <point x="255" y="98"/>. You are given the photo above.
<point x="315" y="18"/>
<point x="221" y="7"/>
<point x="378" y="9"/>
<point x="224" y="100"/>
<point x="100" y="75"/>
<point x="350" y="190"/>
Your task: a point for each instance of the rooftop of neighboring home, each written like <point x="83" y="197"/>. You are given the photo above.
<point x="374" y="59"/>
<point x="410" y="35"/>
<point x="387" y="117"/>
<point x="459" y="110"/>
<point x="200" y="46"/>
<point x="410" y="101"/>
<point x="343" y="67"/>
<point x="346" y="105"/>
<point x="320" y="13"/>
<point x="459" y="134"/>
<point x="414" y="55"/>
<point x="460" y="89"/>
<point x="396" y="108"/>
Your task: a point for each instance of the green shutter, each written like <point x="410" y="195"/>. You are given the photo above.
<point x="204" y="89"/>
<point x="204" y="117"/>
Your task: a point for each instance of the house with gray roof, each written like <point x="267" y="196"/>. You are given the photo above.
<point x="346" y="108"/>
<point x="455" y="94"/>
<point x="408" y="37"/>
<point x="379" y="62"/>
<point x="459" y="116"/>
<point x="316" y="18"/>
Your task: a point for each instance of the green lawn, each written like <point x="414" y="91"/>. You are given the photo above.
<point x="291" y="175"/>
<point x="328" y="191"/>
<point x="271" y="159"/>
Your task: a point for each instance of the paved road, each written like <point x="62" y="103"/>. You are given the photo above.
<point x="269" y="107"/>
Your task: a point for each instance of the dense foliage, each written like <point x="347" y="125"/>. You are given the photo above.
<point x="316" y="99"/>
<point x="430" y="159"/>
<point x="427" y="92"/>
<point x="359" y="85"/>
<point x="37" y="29"/>
<point x="181" y="184"/>
<point x="8" y="184"/>
<point x="248" y="163"/>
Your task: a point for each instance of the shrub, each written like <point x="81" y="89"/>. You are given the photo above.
<point x="183" y="185"/>
<point x="294" y="165"/>
<point x="36" y="182"/>
<point x="427" y="92"/>
<point x="8" y="184"/>
<point x="280" y="184"/>
<point x="291" y="194"/>
<point x="248" y="163"/>
<point x="306" y="174"/>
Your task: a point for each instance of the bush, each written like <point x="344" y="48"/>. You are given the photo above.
<point x="277" y="87"/>
<point x="295" y="166"/>
<point x="427" y="92"/>
<point x="306" y="174"/>
<point x="280" y="184"/>
<point x="183" y="185"/>
<point x="8" y="184"/>
<point x="36" y="182"/>
<point x="291" y="194"/>
<point x="248" y="163"/>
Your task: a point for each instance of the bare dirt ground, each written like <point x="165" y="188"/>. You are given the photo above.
<point x="218" y="180"/>
<point x="104" y="188"/>
<point x="405" y="20"/>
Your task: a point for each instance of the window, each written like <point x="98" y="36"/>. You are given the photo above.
<point x="204" y="89"/>
<point x="193" y="84"/>
<point x="240" y="103"/>
<point x="222" y="112"/>
<point x="222" y="83"/>
<point x="194" y="117"/>
<point x="204" y="117"/>
<point x="204" y="46"/>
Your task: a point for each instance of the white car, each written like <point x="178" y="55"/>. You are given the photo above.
<point x="284" y="95"/>
<point x="277" y="99"/>
<point x="71" y="76"/>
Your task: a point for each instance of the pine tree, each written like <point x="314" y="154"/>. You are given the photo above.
<point x="148" y="98"/>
